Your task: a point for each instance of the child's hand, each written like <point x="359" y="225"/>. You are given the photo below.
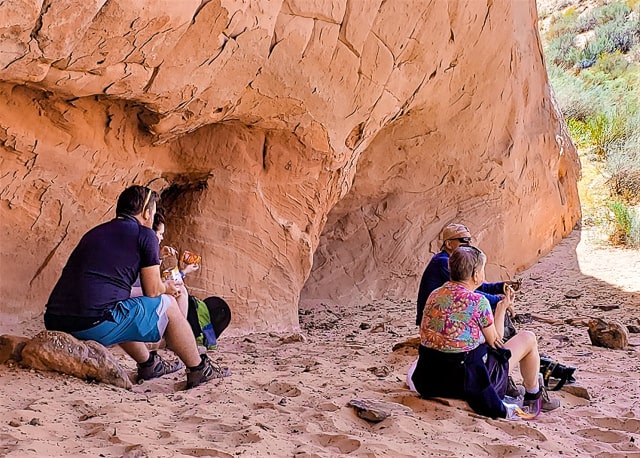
<point x="171" y="288"/>
<point x="166" y="251"/>
<point x="513" y="284"/>
<point x="190" y="268"/>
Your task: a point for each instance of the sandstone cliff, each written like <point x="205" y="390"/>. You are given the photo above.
<point x="279" y="132"/>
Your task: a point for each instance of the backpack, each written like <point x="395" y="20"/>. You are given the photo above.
<point x="208" y="319"/>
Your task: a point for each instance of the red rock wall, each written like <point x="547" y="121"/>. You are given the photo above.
<point x="485" y="148"/>
<point x="254" y="119"/>
<point x="251" y="202"/>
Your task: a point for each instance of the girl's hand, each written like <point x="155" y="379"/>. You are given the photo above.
<point x="190" y="268"/>
<point x="167" y="251"/>
<point x="513" y="284"/>
<point x="171" y="288"/>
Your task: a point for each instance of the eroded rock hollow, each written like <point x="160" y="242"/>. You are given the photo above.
<point x="309" y="150"/>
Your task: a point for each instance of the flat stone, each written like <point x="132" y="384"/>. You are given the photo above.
<point x="633" y="328"/>
<point x="61" y="352"/>
<point x="578" y="391"/>
<point x="375" y="411"/>
<point x="573" y="294"/>
<point x="606" y="308"/>
<point x="380" y="371"/>
<point x="292" y="338"/>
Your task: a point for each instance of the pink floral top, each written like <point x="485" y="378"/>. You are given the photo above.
<point x="454" y="318"/>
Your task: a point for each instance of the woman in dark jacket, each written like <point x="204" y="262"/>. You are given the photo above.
<point x="462" y="353"/>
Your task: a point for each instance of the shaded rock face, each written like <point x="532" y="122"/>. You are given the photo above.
<point x="254" y="120"/>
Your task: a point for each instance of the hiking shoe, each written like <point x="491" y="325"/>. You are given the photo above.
<point x="513" y="390"/>
<point x="157" y="368"/>
<point x="540" y="401"/>
<point x="548" y="404"/>
<point x="205" y="371"/>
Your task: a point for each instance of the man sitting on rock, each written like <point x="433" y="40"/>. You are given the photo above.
<point x="91" y="300"/>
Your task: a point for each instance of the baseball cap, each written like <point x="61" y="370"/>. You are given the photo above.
<point x="455" y="231"/>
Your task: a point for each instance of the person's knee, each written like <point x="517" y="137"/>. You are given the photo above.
<point x="529" y="338"/>
<point x="173" y="311"/>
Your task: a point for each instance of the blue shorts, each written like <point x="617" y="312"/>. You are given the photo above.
<point x="137" y="319"/>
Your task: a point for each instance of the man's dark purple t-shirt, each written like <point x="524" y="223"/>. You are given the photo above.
<point x="102" y="268"/>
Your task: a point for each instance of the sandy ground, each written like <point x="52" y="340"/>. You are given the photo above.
<point x="290" y="399"/>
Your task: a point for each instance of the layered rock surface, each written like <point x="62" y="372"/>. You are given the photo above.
<point x="254" y="120"/>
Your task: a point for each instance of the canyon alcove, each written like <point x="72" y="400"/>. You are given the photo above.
<point x="309" y="151"/>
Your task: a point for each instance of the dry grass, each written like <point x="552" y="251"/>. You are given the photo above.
<point x="593" y="191"/>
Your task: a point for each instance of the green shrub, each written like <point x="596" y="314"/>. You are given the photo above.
<point x="610" y="37"/>
<point x="578" y="132"/>
<point x="621" y="215"/>
<point x="626" y="224"/>
<point x="562" y="52"/>
<point x="577" y="99"/>
<point x="615" y="91"/>
<point x="623" y="164"/>
<point x="611" y="65"/>
<point x="606" y="131"/>
<point x="562" y="23"/>
<point x="615" y="11"/>
<point x="585" y="22"/>
<point x="621" y="34"/>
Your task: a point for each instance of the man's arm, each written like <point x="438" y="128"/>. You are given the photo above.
<point x="491" y="288"/>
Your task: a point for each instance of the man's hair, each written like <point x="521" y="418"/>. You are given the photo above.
<point x="136" y="199"/>
<point x="465" y="261"/>
<point x="158" y="219"/>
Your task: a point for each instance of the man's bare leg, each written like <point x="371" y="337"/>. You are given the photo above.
<point x="179" y="337"/>
<point x="137" y="350"/>
<point x="183" y="299"/>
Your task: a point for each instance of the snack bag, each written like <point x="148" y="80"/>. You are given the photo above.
<point x="191" y="258"/>
<point x="172" y="274"/>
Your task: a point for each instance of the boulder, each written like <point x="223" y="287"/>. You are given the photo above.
<point x="608" y="334"/>
<point x="11" y="347"/>
<point x="61" y="352"/>
<point x="410" y="345"/>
